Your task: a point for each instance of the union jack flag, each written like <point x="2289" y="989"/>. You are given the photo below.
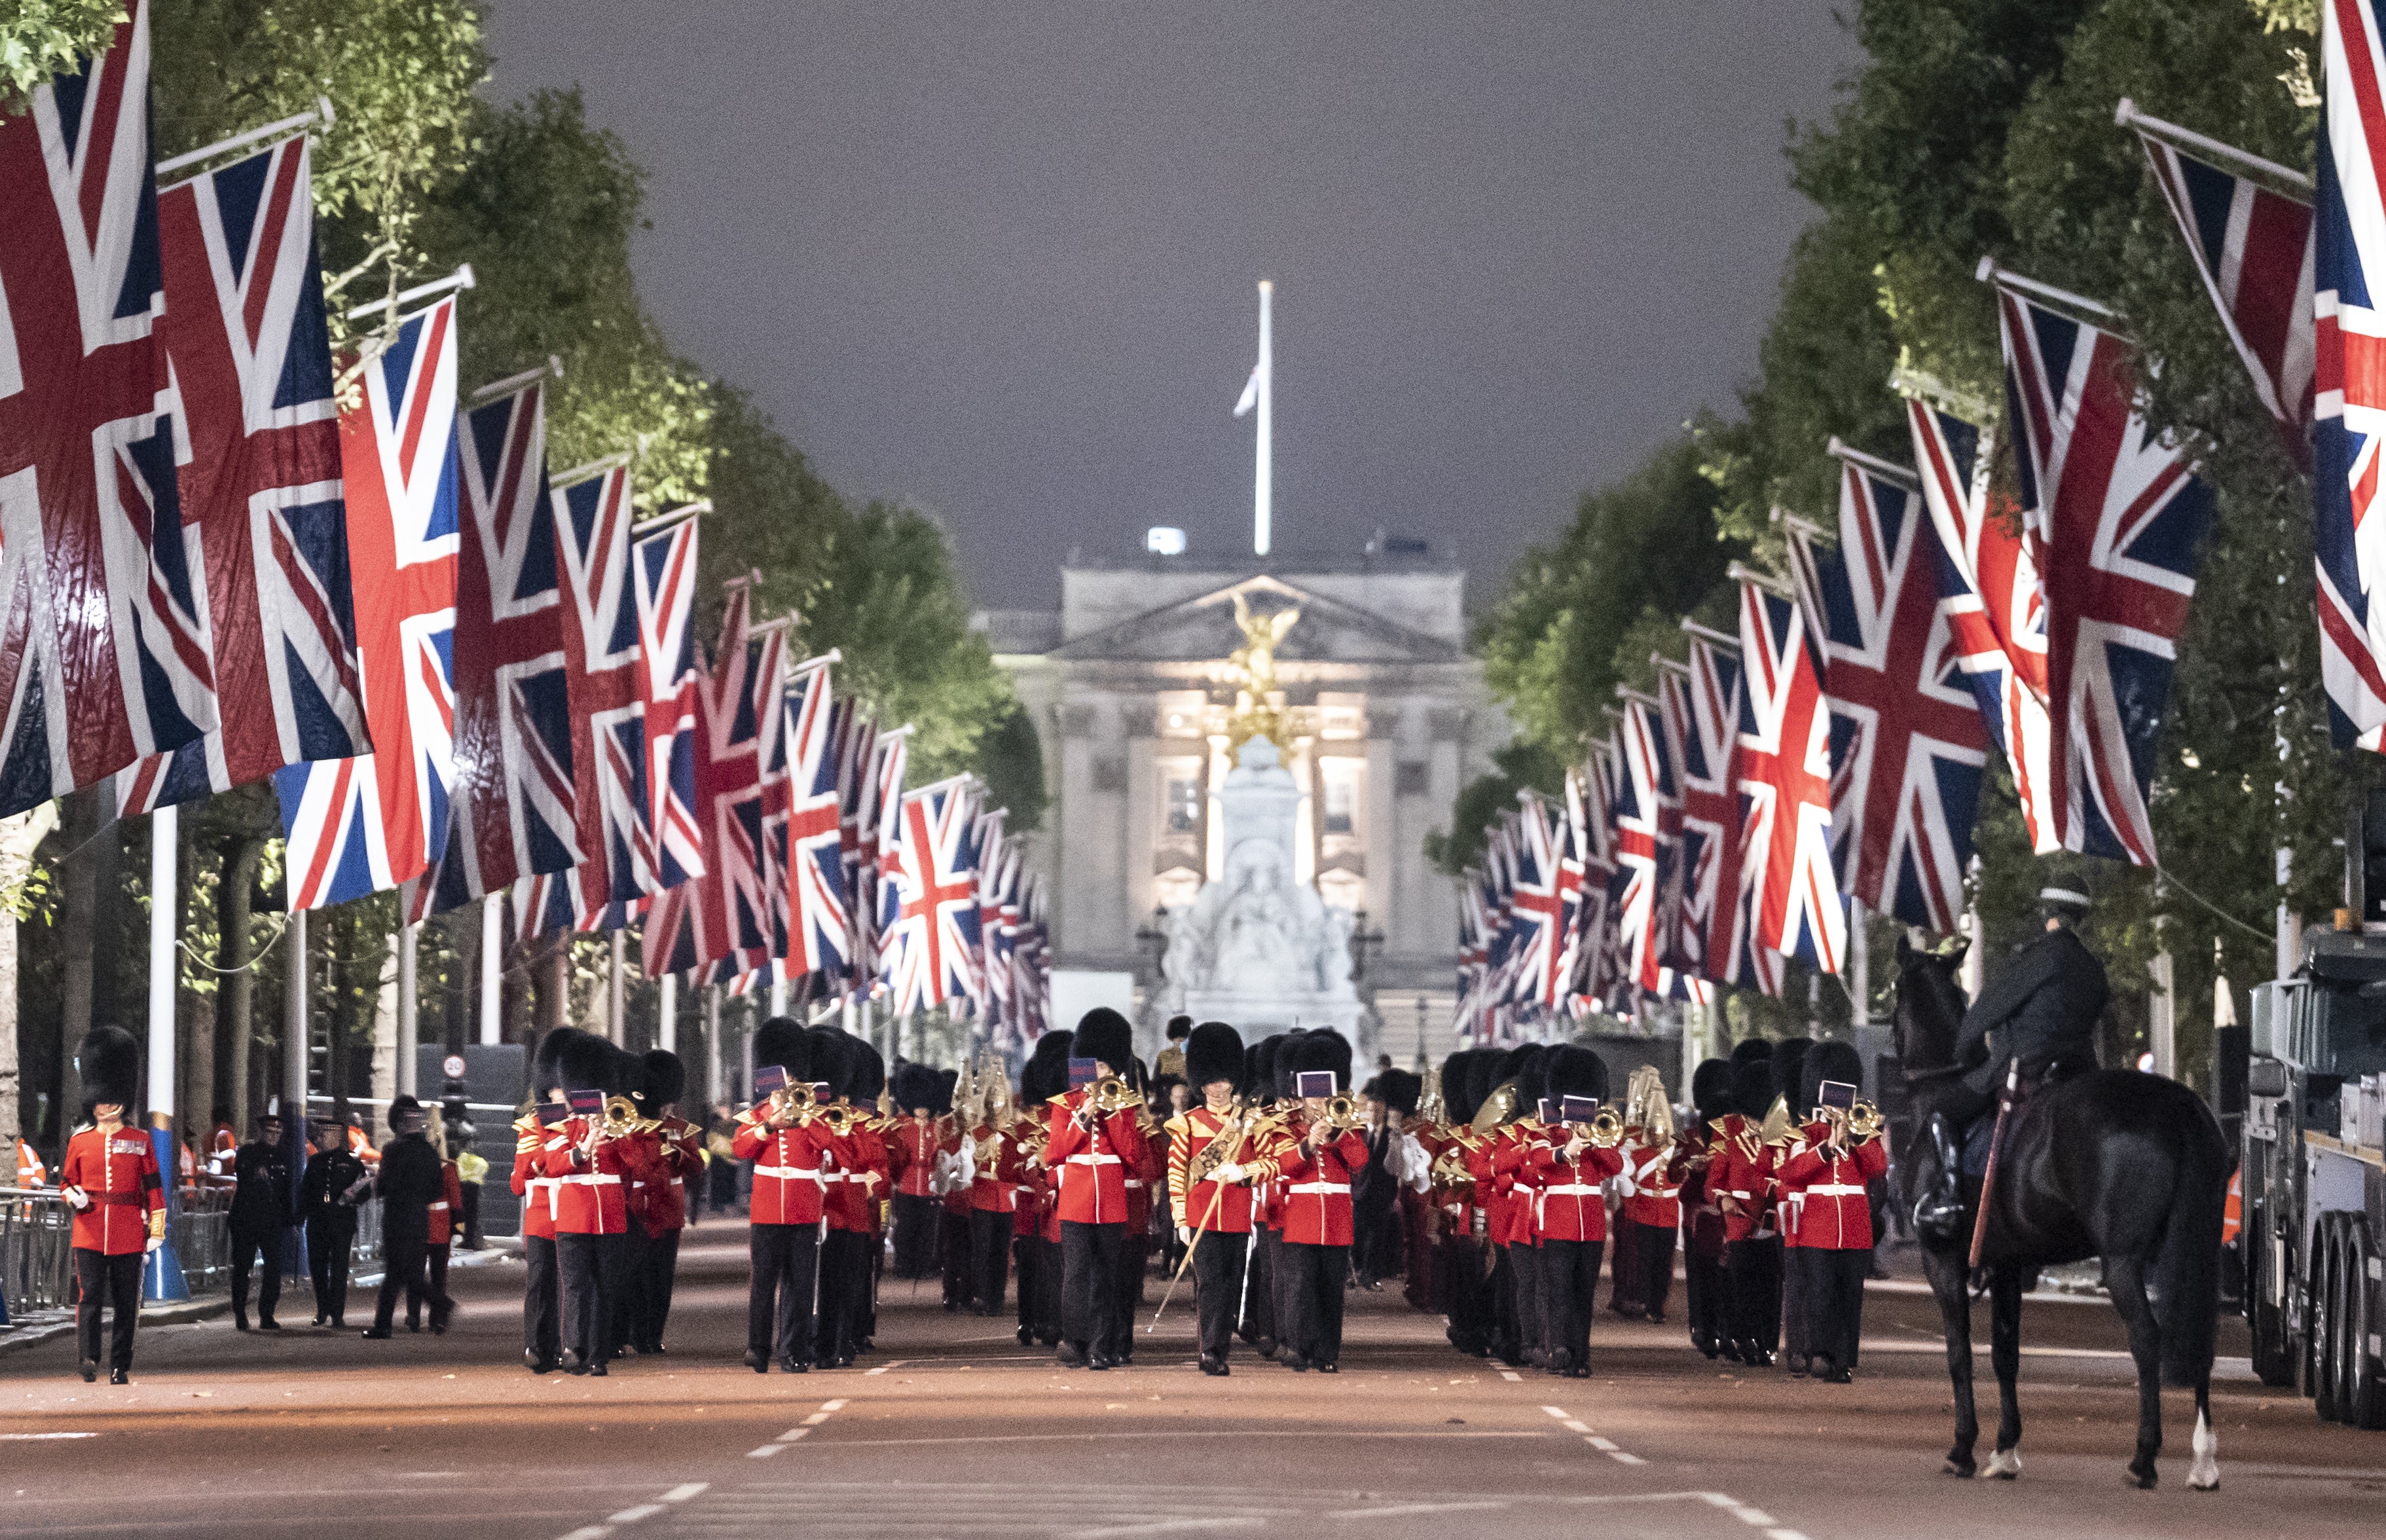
<point x="2248" y="224"/>
<point x="662" y="572"/>
<point x="1648" y="814"/>
<point x="998" y="923"/>
<point x="2122" y="515"/>
<point x="928" y="897"/>
<point x="515" y="808"/>
<point x="1588" y="962"/>
<point x="245" y="333"/>
<point x="103" y="657"/>
<point x="1784" y="766"/>
<point x="819" y="926"/>
<point x="2350" y="411"/>
<point x="1540" y="906"/>
<point x="1908" y="743"/>
<point x="1701" y="702"/>
<point x="363" y="825"/>
<point x="857" y="737"/>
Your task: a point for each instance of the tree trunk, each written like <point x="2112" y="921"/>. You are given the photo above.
<point x="237" y="994"/>
<point x="463" y="930"/>
<point x="551" y="970"/>
<point x="19" y="836"/>
<point x="79" y="884"/>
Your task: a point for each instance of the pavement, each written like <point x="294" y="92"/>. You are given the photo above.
<point x="953" y="1429"/>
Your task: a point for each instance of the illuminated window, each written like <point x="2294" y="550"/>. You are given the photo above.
<point x="1183" y="804"/>
<point x="1341" y="803"/>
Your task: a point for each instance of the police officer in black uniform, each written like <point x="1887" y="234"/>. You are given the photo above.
<point x="261" y="1212"/>
<point x="2040" y="1010"/>
<point x="336" y="1181"/>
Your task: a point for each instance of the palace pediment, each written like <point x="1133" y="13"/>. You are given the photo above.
<point x="1203" y="628"/>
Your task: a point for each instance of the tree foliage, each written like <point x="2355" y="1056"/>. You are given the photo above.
<point x="38" y="38"/>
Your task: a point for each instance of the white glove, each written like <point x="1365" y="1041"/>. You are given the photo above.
<point x="76" y="1197"/>
<point x="155" y="1242"/>
<point x="1183" y="1234"/>
<point x="1227" y="1175"/>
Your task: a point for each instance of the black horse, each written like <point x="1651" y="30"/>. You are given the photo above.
<point x="2114" y="1164"/>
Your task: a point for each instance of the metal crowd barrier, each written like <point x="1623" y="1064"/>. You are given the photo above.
<point x="36" y="1250"/>
<point x="202" y="1236"/>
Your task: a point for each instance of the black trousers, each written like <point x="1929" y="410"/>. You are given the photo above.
<point x="845" y="1264"/>
<point x="1314" y="1280"/>
<point x="1470" y="1302"/>
<point x="589" y="1271"/>
<point x="915" y="1234"/>
<point x="1624" y="1290"/>
<point x="1507" y="1335"/>
<point x="405" y="1256"/>
<point x="542" y="1319"/>
<point x="1708" y="1297"/>
<point x="329" y="1242"/>
<point x="953" y="1254"/>
<point x="1259" y="1323"/>
<point x="114" y="1282"/>
<point x="1218" y="1260"/>
<point x="434" y="1258"/>
<point x="1532" y="1304"/>
<point x="1569" y="1276"/>
<point x="1651" y="1262"/>
<point x="779" y="1300"/>
<point x="989" y="1258"/>
<point x="626" y="1306"/>
<point x="246" y="1244"/>
<point x="1040" y="1306"/>
<point x="1832" y="1293"/>
<point x="470" y="1217"/>
<point x="1023" y="1253"/>
<point x="1755" y="1271"/>
<point x="1126" y="1292"/>
<point x="659" y="1272"/>
<point x="1089" y="1267"/>
<point x="1793" y="1305"/>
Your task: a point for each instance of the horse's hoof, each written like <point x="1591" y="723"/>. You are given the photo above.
<point x="2004" y="1464"/>
<point x="2145" y="1480"/>
<point x="1959" y="1468"/>
<point x="2199" y="1481"/>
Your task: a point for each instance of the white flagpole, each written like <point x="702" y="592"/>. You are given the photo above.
<point x="409" y="1001"/>
<point x="1263" y="494"/>
<point x="667" y="1035"/>
<point x="493" y="967"/>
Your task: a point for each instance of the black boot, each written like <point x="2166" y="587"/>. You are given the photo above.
<point x="1939" y="1209"/>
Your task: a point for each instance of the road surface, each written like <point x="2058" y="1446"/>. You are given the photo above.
<point x="952" y="1429"/>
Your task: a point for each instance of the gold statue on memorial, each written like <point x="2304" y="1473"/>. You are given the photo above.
<point x="1259" y="705"/>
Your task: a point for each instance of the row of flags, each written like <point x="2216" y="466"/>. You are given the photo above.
<point x="469" y="679"/>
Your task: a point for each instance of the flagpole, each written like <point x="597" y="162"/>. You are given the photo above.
<point x="1264" y="484"/>
<point x="667" y="1025"/>
<point x="493" y="972"/>
<point x="409" y="1000"/>
<point x="163" y="1274"/>
<point x="615" y="990"/>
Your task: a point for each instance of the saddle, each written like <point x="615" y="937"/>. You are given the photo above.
<point x="1976" y="1136"/>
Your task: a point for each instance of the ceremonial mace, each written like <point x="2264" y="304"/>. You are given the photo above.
<point x="1217" y="1195"/>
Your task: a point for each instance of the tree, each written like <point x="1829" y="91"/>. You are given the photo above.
<point x="42" y="38"/>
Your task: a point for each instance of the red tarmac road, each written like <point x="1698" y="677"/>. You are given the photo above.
<point x="952" y="1429"/>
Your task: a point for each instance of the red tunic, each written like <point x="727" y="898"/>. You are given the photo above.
<point x="995" y="1180"/>
<point x="1748" y="1180"/>
<point x="592" y="1189"/>
<point x="1093" y="1164"/>
<point x="1836" y="1215"/>
<point x="1190" y="1133"/>
<point x="1317" y="1184"/>
<point x="1514" y="1174"/>
<point x="789" y="1185"/>
<point x="856" y="1175"/>
<point x="451" y="1203"/>
<point x="1568" y="1204"/>
<point x="536" y="1191"/>
<point x="118" y="1174"/>
<point x="680" y="1146"/>
<point x="1654" y="1197"/>
<point x="911" y="1148"/>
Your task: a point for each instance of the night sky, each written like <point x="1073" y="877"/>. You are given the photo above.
<point x="998" y="260"/>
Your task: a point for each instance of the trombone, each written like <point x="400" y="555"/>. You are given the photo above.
<point x="1342" y="1113"/>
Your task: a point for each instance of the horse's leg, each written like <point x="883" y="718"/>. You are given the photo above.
<point x="2125" y="1279"/>
<point x="2204" y="1471"/>
<point x="2004" y="1357"/>
<point x="1948" y="1278"/>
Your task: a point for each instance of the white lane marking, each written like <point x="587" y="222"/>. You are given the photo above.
<point x="631" y="1515"/>
<point x="589" y="1532"/>
<point x="1179" y="1434"/>
<point x="1558" y="1412"/>
<point x="1406" y="1508"/>
<point x="1756" y="1518"/>
<point x="1164" y="1526"/>
<point x="794" y="1433"/>
<point x="1512" y="1376"/>
<point x="765" y="1452"/>
<point x="1573" y="1426"/>
<point x="815" y="1420"/>
<point x="1620" y="1458"/>
<point x="27" y="1439"/>
<point x="1605" y="1446"/>
<point x="637" y="1513"/>
<point x="1783" y="1535"/>
<point x="884" y="1367"/>
<point x="681" y="1494"/>
<point x="837" y="1405"/>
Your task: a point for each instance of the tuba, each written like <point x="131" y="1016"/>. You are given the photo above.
<point x="1497" y="1108"/>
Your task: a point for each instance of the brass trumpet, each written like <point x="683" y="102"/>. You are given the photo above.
<point x="1606" y="1130"/>
<point x="1342" y="1113"/>
<point x="1110" y="1095"/>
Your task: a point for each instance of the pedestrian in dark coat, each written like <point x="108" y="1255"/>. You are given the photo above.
<point x="411" y="1180"/>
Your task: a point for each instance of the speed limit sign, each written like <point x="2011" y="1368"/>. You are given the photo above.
<point x="452" y="1066"/>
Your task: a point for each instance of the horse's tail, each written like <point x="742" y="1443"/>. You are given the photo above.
<point x="2187" y="1268"/>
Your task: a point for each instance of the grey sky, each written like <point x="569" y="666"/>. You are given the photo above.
<point x="999" y="259"/>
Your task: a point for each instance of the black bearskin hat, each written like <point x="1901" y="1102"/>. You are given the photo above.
<point x="546" y="1062"/>
<point x="1458" y="1099"/>
<point x="945" y="1080"/>
<point x="1711" y="1088"/>
<point x="1751" y="1090"/>
<point x="915" y="1087"/>
<point x="1046" y="1074"/>
<point x="1213" y="1052"/>
<point x="1532" y="1081"/>
<point x="1788" y="1069"/>
<point x="1569" y="1070"/>
<point x="1750" y="1050"/>
<point x="865" y="1070"/>
<point x="666" y="1080"/>
<point x="1399" y="1090"/>
<point x="1483" y="1076"/>
<point x="1838" y="1061"/>
<point x="626" y="1074"/>
<point x="826" y="1049"/>
<point x="575" y="1060"/>
<point x="786" y="1044"/>
<point x="1104" y="1035"/>
<point x="1313" y="1051"/>
<point x="109" y="1062"/>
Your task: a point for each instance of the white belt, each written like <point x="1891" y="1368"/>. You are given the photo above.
<point x="439" y="1208"/>
<point x="1570" y="1189"/>
<point x="1321" y="1187"/>
<point x="1133" y="1185"/>
<point x="1733" y="1193"/>
<point x="1094" y="1160"/>
<point x="787" y="1173"/>
<point x="594" y="1180"/>
<point x="1836" y="1189"/>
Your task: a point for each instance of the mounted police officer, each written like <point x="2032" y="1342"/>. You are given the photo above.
<point x="2040" y="1013"/>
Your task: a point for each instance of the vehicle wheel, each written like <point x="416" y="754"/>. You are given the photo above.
<point x="2341" y="1341"/>
<point x="2367" y="1394"/>
<point x="2273" y="1365"/>
<point x="2319" y="1335"/>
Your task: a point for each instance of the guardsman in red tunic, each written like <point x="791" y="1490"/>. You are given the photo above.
<point x="1703" y="1283"/>
<point x="790" y="1151"/>
<point x="1036" y="1225"/>
<point x="1831" y="1168"/>
<point x="1146" y="1173"/>
<point x="856" y="1177"/>
<point x="1091" y="1151"/>
<point x="1653" y="1164"/>
<point x="1318" y="1159"/>
<point x="995" y="1162"/>
<point x="541" y="1313"/>
<point x="111" y="1178"/>
<point x="1739" y="1178"/>
<point x="592" y="1159"/>
<point x="911" y="1148"/>
<point x="679" y="1160"/>
<point x="1570" y="1174"/>
<point x="1213" y="1212"/>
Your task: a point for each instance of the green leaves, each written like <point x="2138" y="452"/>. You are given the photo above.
<point x="42" y="38"/>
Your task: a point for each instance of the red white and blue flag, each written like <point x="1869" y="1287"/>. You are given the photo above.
<point x="928" y="909"/>
<point x="1701" y="718"/>
<point x="2349" y="535"/>
<point x="1784" y="769"/>
<point x="1648" y="815"/>
<point x="819" y="924"/>
<point x="1545" y="898"/>
<point x="2121" y="515"/>
<point x="1590" y="952"/>
<point x="662" y="574"/>
<point x="245" y="334"/>
<point x="857" y="736"/>
<point x="1908" y="746"/>
<point x="363" y="825"/>
<point x="102" y="656"/>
